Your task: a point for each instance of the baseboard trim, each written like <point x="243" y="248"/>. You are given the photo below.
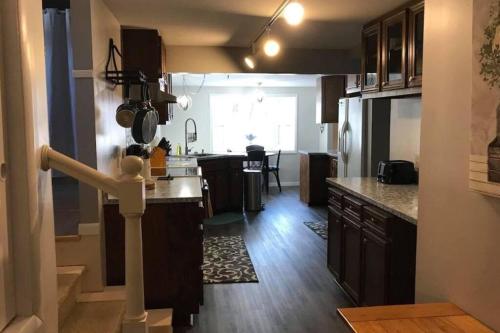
<point x="284" y="184"/>
<point x="69" y="238"/>
<point x="89" y="229"/>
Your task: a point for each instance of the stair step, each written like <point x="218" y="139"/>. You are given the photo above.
<point x="160" y="320"/>
<point x="68" y="289"/>
<point x="95" y="317"/>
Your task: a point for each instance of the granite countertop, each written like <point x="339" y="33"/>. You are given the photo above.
<point x="331" y="153"/>
<point x="178" y="190"/>
<point x="400" y="200"/>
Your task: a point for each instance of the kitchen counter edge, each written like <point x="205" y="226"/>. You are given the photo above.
<point x="405" y="216"/>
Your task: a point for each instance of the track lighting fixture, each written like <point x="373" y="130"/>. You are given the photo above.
<point x="293" y="13"/>
<point x="250" y="62"/>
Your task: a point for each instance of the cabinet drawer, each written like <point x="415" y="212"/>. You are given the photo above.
<point x="377" y="218"/>
<point x="353" y="206"/>
<point x="335" y="197"/>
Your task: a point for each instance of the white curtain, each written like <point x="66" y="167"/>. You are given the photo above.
<point x="60" y="83"/>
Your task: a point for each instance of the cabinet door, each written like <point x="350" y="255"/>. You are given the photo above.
<point x="375" y="264"/>
<point x="222" y="191"/>
<point x="415" y="45"/>
<point x="370" y="62"/>
<point x="394" y="51"/>
<point x="334" y="260"/>
<point x="351" y="254"/>
<point x="141" y="50"/>
<point x="212" y="188"/>
<point x="236" y="189"/>
<point x="330" y="90"/>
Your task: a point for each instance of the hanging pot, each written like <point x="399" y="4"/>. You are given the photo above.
<point x="125" y="113"/>
<point x="146" y="120"/>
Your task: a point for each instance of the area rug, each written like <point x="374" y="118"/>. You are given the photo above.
<point x="224" y="218"/>
<point x="320" y="228"/>
<point x="226" y="260"/>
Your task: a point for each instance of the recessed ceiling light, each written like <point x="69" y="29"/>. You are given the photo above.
<point x="294" y="13"/>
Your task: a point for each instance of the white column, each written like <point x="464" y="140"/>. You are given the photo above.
<point x="131" y="192"/>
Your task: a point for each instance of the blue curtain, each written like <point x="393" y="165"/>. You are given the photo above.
<point x="60" y="83"/>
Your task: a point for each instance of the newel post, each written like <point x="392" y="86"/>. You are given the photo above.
<point x="131" y="190"/>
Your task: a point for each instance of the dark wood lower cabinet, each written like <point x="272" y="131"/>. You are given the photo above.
<point x="225" y="182"/>
<point x="375" y="267"/>
<point x="172" y="244"/>
<point x="351" y="253"/>
<point x="335" y="245"/>
<point x="371" y="253"/>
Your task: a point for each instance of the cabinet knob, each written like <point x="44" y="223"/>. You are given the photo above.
<point x="384" y="83"/>
<point x="411" y="78"/>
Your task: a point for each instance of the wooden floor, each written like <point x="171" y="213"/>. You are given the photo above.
<point x="295" y="293"/>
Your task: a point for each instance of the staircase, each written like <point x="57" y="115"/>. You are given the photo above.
<point x="100" y="312"/>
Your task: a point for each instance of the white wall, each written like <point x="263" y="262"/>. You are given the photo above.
<point x="458" y="245"/>
<point x="405" y="129"/>
<point x="98" y="135"/>
<point x="308" y="130"/>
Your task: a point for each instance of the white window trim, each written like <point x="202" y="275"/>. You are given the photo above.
<point x="283" y="152"/>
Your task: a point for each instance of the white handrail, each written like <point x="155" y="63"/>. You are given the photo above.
<point x="130" y="190"/>
<point x="55" y="160"/>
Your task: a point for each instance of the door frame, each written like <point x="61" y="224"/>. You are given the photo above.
<point x="30" y="190"/>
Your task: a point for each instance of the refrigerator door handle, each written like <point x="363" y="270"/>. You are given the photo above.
<point x="343" y="152"/>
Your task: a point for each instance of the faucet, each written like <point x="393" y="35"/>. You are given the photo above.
<point x="189" y="137"/>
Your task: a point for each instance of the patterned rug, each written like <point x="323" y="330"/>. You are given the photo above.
<point x="320" y="228"/>
<point x="226" y="260"/>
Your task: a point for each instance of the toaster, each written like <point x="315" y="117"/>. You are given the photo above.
<point x="396" y="172"/>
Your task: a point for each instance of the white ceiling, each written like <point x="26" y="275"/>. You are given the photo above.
<point x="246" y="80"/>
<point x="329" y="24"/>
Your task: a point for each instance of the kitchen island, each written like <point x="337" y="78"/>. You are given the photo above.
<point x="372" y="239"/>
<point x="172" y="237"/>
<point x="315" y="167"/>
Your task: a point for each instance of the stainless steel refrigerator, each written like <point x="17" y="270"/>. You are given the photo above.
<point x="364" y="136"/>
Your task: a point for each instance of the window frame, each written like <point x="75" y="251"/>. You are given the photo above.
<point x="296" y="116"/>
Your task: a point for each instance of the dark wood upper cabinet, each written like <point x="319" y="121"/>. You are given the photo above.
<point x="394" y="51"/>
<point x="415" y="44"/>
<point x="329" y="90"/>
<point x="370" y="61"/>
<point x="142" y="50"/>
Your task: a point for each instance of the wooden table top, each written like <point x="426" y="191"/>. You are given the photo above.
<point x="414" y="318"/>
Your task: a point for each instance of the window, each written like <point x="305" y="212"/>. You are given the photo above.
<point x="236" y="118"/>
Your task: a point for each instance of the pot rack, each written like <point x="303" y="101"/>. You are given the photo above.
<point x="118" y="77"/>
<point x="127" y="78"/>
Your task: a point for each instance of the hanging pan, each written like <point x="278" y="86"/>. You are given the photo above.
<point x="146" y="119"/>
<point x="125" y="113"/>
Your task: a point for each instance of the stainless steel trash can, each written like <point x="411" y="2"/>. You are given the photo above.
<point x="253" y="190"/>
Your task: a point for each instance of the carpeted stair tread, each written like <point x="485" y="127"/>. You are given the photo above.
<point x="68" y="289"/>
<point x="95" y="317"/>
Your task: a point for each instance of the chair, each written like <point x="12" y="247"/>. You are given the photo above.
<point x="254" y="147"/>
<point x="255" y="159"/>
<point x="275" y="170"/>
